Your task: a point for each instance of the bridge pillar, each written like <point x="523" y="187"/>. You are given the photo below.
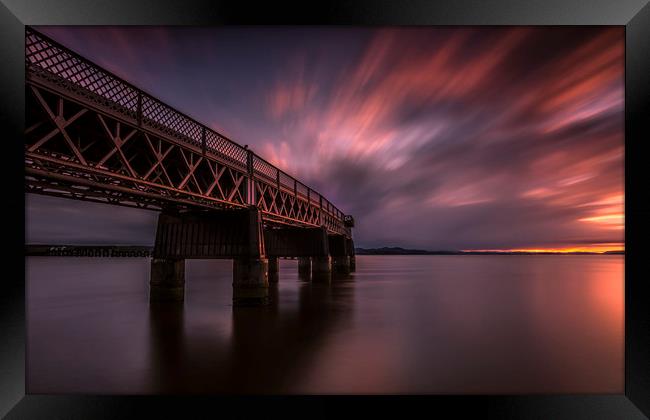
<point x="234" y="234"/>
<point x="350" y="250"/>
<point x="339" y="253"/>
<point x="304" y="267"/>
<point x="321" y="269"/>
<point x="341" y="264"/>
<point x="250" y="281"/>
<point x="250" y="271"/>
<point x="167" y="282"/>
<point x="310" y="245"/>
<point x="274" y="269"/>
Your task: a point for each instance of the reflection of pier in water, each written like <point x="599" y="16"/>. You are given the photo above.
<point x="269" y="348"/>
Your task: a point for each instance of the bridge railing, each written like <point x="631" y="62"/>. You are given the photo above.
<point x="69" y="71"/>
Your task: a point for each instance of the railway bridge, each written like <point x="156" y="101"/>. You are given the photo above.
<point x="90" y="135"/>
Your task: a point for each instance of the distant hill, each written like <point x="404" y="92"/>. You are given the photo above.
<point x="400" y="251"/>
<point x="404" y="251"/>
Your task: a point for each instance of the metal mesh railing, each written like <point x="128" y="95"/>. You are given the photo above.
<point x="73" y="72"/>
<point x="302" y="189"/>
<point x="67" y="70"/>
<point x="265" y="169"/>
<point x="286" y="181"/>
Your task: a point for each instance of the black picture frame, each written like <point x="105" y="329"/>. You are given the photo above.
<point x="633" y="14"/>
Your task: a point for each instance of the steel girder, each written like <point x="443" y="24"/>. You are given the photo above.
<point x="92" y="136"/>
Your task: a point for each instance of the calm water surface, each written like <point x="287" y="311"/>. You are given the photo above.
<point x="400" y="324"/>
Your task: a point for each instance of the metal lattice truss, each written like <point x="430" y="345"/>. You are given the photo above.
<point x="92" y="136"/>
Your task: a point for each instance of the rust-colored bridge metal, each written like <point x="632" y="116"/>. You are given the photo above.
<point x="92" y="136"/>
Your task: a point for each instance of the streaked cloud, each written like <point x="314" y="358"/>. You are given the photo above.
<point x="503" y="137"/>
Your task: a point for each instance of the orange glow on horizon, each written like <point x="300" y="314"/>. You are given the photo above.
<point x="598" y="248"/>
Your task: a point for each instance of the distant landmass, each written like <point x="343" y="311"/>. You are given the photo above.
<point x="403" y="251"/>
<point x="88" y="250"/>
<point x="145" y="251"/>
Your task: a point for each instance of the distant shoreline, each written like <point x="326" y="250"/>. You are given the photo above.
<point x="402" y="251"/>
<point x="143" y="250"/>
<point x="88" y="250"/>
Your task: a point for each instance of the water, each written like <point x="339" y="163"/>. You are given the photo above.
<point x="400" y="324"/>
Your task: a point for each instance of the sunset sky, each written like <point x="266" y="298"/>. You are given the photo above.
<point x="434" y="138"/>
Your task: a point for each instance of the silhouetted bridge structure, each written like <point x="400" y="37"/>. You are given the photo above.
<point x="92" y="136"/>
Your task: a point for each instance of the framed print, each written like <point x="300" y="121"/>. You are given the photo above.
<point x="215" y="208"/>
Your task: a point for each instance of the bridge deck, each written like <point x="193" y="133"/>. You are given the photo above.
<point x="91" y="135"/>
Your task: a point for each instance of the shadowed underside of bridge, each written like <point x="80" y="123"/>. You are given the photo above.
<point x="90" y="135"/>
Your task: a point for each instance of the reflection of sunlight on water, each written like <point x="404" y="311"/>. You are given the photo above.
<point x="577" y="312"/>
<point x="533" y="322"/>
<point x="607" y="290"/>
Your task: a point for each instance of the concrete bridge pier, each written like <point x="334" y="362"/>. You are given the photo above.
<point x="250" y="271"/>
<point x="167" y="281"/>
<point x="350" y="250"/>
<point x="321" y="269"/>
<point x="233" y="234"/>
<point x="250" y="284"/>
<point x="338" y="251"/>
<point x="310" y="245"/>
<point x="239" y="234"/>
<point x="341" y="264"/>
<point x="274" y="269"/>
<point x="304" y="268"/>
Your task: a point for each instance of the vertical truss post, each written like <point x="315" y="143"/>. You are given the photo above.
<point x="139" y="110"/>
<point x="320" y="213"/>
<point x="277" y="179"/>
<point x="250" y="191"/>
<point x="203" y="141"/>
<point x="295" y="188"/>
